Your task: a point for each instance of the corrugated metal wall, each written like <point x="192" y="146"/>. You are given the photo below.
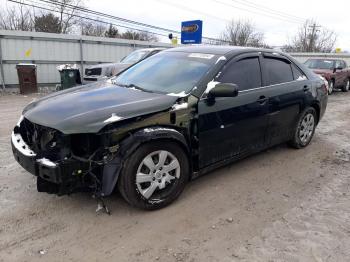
<point x="50" y="50"/>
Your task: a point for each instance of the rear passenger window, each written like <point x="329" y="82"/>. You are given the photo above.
<point x="278" y="71"/>
<point x="297" y="74"/>
<point x="245" y="73"/>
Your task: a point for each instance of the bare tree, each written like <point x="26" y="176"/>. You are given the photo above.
<point x="93" y="29"/>
<point x="67" y="10"/>
<point x="142" y="36"/>
<point x="242" y="33"/>
<point x="16" y="17"/>
<point x="112" y="32"/>
<point x="48" y="23"/>
<point x="313" y="38"/>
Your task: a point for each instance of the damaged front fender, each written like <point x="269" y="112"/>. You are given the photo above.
<point x="129" y="145"/>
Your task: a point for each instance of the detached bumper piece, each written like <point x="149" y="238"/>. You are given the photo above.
<point x="60" y="177"/>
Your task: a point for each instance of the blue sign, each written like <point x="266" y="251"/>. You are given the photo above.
<point x="191" y="32"/>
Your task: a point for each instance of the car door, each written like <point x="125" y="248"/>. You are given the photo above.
<point x="287" y="87"/>
<point x="339" y="73"/>
<point x="234" y="126"/>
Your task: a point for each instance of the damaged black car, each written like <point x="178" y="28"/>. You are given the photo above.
<point x="166" y="120"/>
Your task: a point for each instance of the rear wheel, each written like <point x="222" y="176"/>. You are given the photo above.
<point x="305" y="128"/>
<point x="346" y="86"/>
<point x="154" y="175"/>
<point x="330" y="86"/>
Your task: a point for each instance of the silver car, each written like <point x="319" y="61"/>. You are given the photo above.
<point x="103" y="71"/>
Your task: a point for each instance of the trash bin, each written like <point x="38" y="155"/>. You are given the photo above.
<point x="27" y="78"/>
<point x="70" y="76"/>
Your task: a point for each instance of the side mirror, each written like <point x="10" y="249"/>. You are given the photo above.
<point x="223" y="90"/>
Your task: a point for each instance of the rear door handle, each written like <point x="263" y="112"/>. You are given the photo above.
<point x="306" y="88"/>
<point x="262" y="100"/>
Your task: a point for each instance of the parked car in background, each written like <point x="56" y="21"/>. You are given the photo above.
<point x="103" y="71"/>
<point x="335" y="71"/>
<point x="166" y="120"/>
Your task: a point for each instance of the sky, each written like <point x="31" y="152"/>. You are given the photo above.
<point x="217" y="13"/>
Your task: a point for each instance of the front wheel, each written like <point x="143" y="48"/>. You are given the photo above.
<point x="330" y="86"/>
<point x="346" y="86"/>
<point x="154" y="175"/>
<point x="305" y="128"/>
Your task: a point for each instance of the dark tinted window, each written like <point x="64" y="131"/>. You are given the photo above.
<point x="245" y="73"/>
<point x="278" y="71"/>
<point x="298" y="75"/>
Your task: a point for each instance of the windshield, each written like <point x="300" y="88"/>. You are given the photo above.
<point x="167" y="72"/>
<point x="320" y="64"/>
<point x="134" y="56"/>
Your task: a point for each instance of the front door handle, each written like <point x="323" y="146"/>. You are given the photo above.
<point x="262" y="100"/>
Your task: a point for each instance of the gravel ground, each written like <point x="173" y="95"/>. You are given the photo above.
<point x="279" y="205"/>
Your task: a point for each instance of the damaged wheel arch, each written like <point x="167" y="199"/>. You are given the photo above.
<point x="130" y="144"/>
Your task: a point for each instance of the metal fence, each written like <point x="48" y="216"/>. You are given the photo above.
<point x="50" y="50"/>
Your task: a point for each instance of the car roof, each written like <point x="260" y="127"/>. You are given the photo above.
<point x="152" y="49"/>
<point x="217" y="50"/>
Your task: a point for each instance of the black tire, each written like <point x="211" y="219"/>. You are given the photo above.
<point x="128" y="186"/>
<point x="346" y="86"/>
<point x="297" y="142"/>
<point x="330" y="86"/>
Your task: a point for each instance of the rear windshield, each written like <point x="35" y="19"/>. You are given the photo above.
<point x="320" y="64"/>
<point x="168" y="72"/>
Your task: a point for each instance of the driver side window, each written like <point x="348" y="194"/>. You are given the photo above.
<point x="245" y="73"/>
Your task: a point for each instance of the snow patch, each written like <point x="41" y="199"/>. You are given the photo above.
<point x="182" y="94"/>
<point x="210" y="86"/>
<point x="46" y="162"/>
<point x="221" y="58"/>
<point x="26" y="64"/>
<point x="113" y="118"/>
<point x="20" y="120"/>
<point x="179" y="106"/>
<point x="67" y="66"/>
<point x="201" y="55"/>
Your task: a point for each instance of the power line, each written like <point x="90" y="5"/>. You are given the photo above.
<point x="86" y="10"/>
<point x="256" y="12"/>
<point x="178" y="6"/>
<point x="84" y="17"/>
<point x="270" y="10"/>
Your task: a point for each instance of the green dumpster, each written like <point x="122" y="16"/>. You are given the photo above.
<point x="69" y="77"/>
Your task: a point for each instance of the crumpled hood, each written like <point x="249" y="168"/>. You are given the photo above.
<point x="87" y="109"/>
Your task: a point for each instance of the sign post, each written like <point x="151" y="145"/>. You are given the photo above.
<point x="191" y="32"/>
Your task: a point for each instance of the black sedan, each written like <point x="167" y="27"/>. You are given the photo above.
<point x="166" y="120"/>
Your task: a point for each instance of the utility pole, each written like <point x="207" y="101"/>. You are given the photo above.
<point x="314" y="29"/>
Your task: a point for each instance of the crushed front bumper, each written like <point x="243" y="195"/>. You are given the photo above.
<point x="63" y="173"/>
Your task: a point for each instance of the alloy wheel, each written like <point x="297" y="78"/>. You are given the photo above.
<point x="157" y="171"/>
<point x="306" y="128"/>
<point x="330" y="87"/>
